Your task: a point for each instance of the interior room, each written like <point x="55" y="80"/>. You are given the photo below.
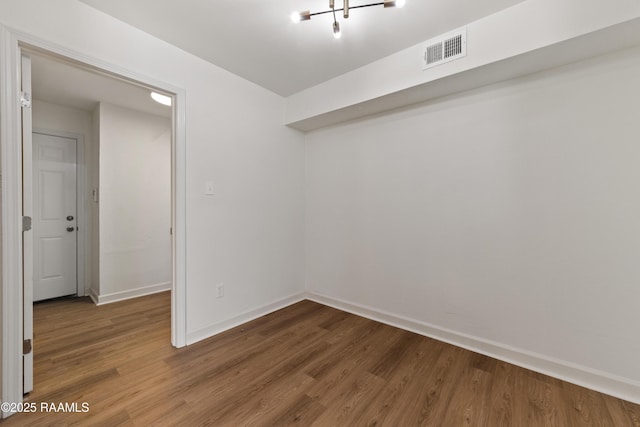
<point x="393" y="213"/>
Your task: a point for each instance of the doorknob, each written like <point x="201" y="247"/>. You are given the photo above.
<point x="70" y="229"/>
<point x="70" y="218"/>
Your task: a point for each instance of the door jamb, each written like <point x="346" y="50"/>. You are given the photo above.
<point x="81" y="206"/>
<point x="11" y="168"/>
<point x="11" y="44"/>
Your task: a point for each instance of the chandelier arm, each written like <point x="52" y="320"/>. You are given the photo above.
<point x="367" y="5"/>
<point x="322" y="13"/>
<point x="350" y="7"/>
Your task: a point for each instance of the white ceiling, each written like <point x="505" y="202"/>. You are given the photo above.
<point x="63" y="84"/>
<point x="256" y="39"/>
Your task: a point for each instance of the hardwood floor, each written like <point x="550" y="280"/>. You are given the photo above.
<point x="306" y="365"/>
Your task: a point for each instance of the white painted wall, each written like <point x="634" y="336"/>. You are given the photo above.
<point x="508" y="214"/>
<point x="53" y="117"/>
<point x="135" y="203"/>
<point x="250" y="234"/>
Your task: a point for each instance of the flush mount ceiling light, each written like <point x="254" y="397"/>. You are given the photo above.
<point x="306" y="15"/>
<point x="162" y="99"/>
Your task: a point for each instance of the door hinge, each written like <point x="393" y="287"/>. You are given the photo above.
<point x="25" y="100"/>
<point x="26" y="346"/>
<point x="26" y="223"/>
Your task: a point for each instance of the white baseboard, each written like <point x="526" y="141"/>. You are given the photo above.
<point x="93" y="295"/>
<point x="245" y="317"/>
<point x="131" y="293"/>
<point x="590" y="378"/>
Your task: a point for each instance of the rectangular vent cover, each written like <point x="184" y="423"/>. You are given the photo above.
<point x="445" y="48"/>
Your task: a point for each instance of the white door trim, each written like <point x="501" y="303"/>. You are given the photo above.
<point x="27" y="236"/>
<point x="11" y="167"/>
<point x="11" y="42"/>
<point x="81" y="209"/>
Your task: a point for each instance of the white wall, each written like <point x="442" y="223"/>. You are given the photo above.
<point x="509" y="214"/>
<point x="52" y="117"/>
<point x="135" y="203"/>
<point x="250" y="234"/>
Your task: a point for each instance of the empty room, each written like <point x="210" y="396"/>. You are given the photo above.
<point x="419" y="212"/>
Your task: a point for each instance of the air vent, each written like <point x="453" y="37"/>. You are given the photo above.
<point x="445" y="48"/>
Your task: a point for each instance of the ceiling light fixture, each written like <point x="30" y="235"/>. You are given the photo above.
<point x="306" y="15"/>
<point x="162" y="99"/>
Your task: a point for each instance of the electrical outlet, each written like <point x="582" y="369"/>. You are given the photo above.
<point x="219" y="290"/>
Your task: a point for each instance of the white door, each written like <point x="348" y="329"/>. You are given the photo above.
<point x="54" y="217"/>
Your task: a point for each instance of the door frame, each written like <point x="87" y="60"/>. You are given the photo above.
<point x="81" y="207"/>
<point x="11" y="44"/>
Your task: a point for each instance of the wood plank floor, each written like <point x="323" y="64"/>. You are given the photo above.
<point x="305" y="365"/>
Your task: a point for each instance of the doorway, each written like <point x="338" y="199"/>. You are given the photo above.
<point x="14" y="313"/>
<point x="128" y="160"/>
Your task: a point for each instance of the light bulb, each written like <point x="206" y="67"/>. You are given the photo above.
<point x="395" y="3"/>
<point x="300" y="16"/>
<point x="336" y="30"/>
